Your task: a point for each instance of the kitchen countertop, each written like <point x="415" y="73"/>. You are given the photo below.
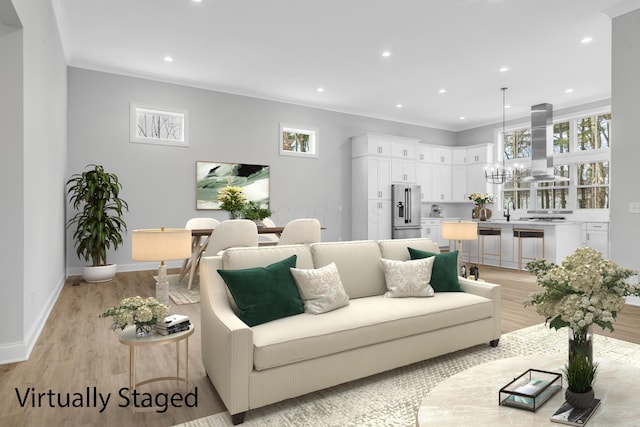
<point x="528" y="223"/>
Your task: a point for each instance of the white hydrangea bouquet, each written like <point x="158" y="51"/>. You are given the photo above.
<point x="142" y="312"/>
<point x="585" y="290"/>
<point x="482" y="199"/>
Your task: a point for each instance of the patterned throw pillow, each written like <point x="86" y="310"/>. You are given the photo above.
<point x="408" y="278"/>
<point x="321" y="289"/>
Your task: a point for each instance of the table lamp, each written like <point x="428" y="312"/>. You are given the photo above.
<point x="459" y="231"/>
<point x="161" y="244"/>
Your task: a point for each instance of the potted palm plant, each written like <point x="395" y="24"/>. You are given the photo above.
<point x="95" y="194"/>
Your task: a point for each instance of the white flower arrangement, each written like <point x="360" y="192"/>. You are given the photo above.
<point x="585" y="290"/>
<point x="136" y="311"/>
<point x="482" y="198"/>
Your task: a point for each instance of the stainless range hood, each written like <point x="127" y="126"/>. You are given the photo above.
<point x="542" y="145"/>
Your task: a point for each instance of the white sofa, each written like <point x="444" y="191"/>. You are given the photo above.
<point x="255" y="366"/>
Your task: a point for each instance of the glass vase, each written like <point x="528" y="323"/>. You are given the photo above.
<point x="143" y="330"/>
<point x="581" y="343"/>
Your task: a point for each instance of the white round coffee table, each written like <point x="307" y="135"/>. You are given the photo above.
<point x="471" y="397"/>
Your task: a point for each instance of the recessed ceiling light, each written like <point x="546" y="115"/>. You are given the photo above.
<point x="320" y="89"/>
<point x="507" y="106"/>
<point x="442" y="90"/>
<point x="398" y="105"/>
<point x="386" y="54"/>
<point x="168" y="59"/>
<point x="462" y="117"/>
<point x="568" y="91"/>
<point x="197" y="1"/>
<point x="504" y="69"/>
<point x="586" y="40"/>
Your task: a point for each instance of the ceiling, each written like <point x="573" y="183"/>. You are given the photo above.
<point x="286" y="49"/>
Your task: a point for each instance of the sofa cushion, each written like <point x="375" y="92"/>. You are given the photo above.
<point x="408" y="278"/>
<point x="321" y="289"/>
<point x="264" y="293"/>
<point x="397" y="248"/>
<point x="358" y="262"/>
<point x="444" y="277"/>
<point x="365" y="321"/>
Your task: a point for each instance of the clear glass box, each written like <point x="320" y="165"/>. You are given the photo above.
<point x="530" y="390"/>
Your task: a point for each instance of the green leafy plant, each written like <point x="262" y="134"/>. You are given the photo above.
<point x="95" y="194"/>
<point x="231" y="198"/>
<point x="253" y="211"/>
<point x="580" y="374"/>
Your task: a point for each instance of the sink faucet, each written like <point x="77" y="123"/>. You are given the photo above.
<point x="506" y="213"/>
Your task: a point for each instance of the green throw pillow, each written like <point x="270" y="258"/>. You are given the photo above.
<point x="444" y="276"/>
<point x="264" y="293"/>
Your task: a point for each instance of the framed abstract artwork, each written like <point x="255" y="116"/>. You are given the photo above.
<point x="301" y="141"/>
<point x="158" y="125"/>
<point x="211" y="177"/>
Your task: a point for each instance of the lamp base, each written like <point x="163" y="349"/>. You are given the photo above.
<point x="162" y="285"/>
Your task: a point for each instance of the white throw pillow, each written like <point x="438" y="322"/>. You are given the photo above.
<point x="321" y="289"/>
<point x="408" y="278"/>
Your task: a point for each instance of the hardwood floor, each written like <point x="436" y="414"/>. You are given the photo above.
<point x="77" y="351"/>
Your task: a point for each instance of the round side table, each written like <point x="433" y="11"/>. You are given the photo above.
<point x="128" y="337"/>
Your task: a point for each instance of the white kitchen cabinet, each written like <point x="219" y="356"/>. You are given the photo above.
<point x="442" y="155"/>
<point x="597" y="237"/>
<point x="481" y="154"/>
<point x="378" y="161"/>
<point x="404" y="150"/>
<point x="425" y="153"/>
<point x="459" y="183"/>
<point x="431" y="228"/>
<point x="459" y="156"/>
<point x="403" y="171"/>
<point x="370" y="145"/>
<point x="379" y="220"/>
<point x="424" y="175"/>
<point x="441" y="182"/>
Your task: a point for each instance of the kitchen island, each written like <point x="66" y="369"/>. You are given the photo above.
<point x="512" y="244"/>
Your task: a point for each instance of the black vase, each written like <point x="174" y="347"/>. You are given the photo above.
<point x="579" y="400"/>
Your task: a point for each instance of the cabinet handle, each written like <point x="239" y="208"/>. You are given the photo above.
<point x="379" y="149"/>
<point x="421" y="156"/>
<point x="379" y="193"/>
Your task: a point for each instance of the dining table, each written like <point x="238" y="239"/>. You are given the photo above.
<point x="197" y="234"/>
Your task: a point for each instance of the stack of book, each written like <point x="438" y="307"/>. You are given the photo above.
<point x="172" y="324"/>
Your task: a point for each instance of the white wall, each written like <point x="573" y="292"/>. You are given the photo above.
<point x="625" y="153"/>
<point x="37" y="167"/>
<point x="11" y="174"/>
<point x="159" y="181"/>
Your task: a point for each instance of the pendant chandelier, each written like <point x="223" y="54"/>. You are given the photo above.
<point x="501" y="174"/>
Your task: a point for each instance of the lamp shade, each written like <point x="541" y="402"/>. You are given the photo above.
<point x="460" y="230"/>
<point x="160" y="244"/>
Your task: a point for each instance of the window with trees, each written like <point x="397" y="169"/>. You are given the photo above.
<point x="580" y="152"/>
<point x="593" y="132"/>
<point x="593" y="185"/>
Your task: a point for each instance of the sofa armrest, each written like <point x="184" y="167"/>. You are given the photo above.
<point x="227" y="342"/>
<point x="492" y="291"/>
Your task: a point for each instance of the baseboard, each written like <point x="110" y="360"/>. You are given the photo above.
<point x="20" y="351"/>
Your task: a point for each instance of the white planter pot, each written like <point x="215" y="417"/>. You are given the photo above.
<point x="101" y="273"/>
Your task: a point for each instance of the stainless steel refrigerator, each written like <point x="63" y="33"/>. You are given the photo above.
<point x="406" y="211"/>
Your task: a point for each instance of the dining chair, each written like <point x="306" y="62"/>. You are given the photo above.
<point x="230" y="234"/>
<point x="269" y="238"/>
<point x="300" y="231"/>
<point x="198" y="245"/>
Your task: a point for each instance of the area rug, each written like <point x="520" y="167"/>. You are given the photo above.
<point x="392" y="398"/>
<point x="178" y="291"/>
